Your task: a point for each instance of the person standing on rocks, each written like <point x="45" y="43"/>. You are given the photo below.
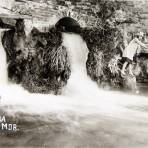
<point x="129" y="52"/>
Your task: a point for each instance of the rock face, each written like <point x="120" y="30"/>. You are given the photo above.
<point x="43" y="76"/>
<point x="102" y="50"/>
<point x="39" y="62"/>
<point x="48" y="67"/>
<point x="14" y="44"/>
<point x="45" y="51"/>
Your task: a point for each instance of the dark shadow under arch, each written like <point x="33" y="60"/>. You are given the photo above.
<point x="68" y="24"/>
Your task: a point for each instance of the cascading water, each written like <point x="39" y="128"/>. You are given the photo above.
<point x="80" y="90"/>
<point x="3" y="63"/>
<point x="83" y="116"/>
<point x="77" y="51"/>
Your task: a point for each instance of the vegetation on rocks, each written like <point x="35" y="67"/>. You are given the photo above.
<point x="105" y="41"/>
<point x="104" y="55"/>
<point x="48" y="68"/>
<point x="104" y="32"/>
<point x="40" y="62"/>
<point x="42" y="65"/>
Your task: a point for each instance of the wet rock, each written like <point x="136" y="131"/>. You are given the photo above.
<point x="103" y="54"/>
<point x="48" y="67"/>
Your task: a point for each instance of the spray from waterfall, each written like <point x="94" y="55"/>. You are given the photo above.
<point x="79" y="83"/>
<point x="3" y="63"/>
<point x="81" y="95"/>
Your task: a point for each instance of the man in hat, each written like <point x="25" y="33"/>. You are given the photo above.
<point x="129" y="52"/>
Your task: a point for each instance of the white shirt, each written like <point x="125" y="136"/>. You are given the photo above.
<point x="132" y="48"/>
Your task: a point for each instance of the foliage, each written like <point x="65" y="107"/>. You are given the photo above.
<point x="101" y="12"/>
<point x="41" y="63"/>
<point x="106" y="37"/>
<point x="48" y="69"/>
<point x="102" y="60"/>
<point x="95" y="64"/>
<point x="113" y="65"/>
<point x="57" y="59"/>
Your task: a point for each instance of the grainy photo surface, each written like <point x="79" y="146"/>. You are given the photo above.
<point x="74" y="73"/>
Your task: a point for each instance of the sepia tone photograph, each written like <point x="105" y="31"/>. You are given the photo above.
<point x="74" y="73"/>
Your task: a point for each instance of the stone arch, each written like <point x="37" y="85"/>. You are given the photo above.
<point x="68" y="24"/>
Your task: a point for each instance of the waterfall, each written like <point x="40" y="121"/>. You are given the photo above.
<point x="79" y="83"/>
<point x="3" y="63"/>
<point x="81" y="94"/>
<point x="82" y="115"/>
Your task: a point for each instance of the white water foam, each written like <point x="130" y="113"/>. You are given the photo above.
<point x="3" y="63"/>
<point x="81" y="95"/>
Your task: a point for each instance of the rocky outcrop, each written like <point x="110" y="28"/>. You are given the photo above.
<point x="39" y="62"/>
<point x="102" y="50"/>
<point x="46" y="56"/>
<point x="48" y="68"/>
